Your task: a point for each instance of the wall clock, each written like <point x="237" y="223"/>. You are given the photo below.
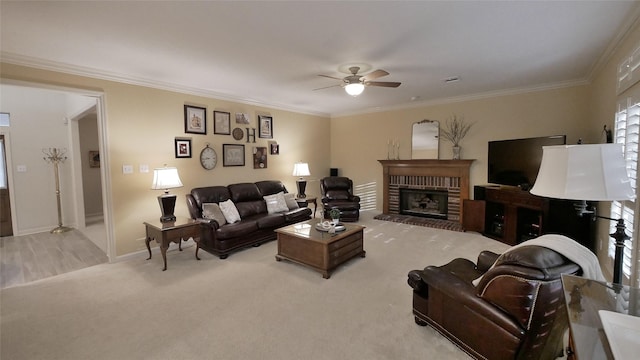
<point x="208" y="158"/>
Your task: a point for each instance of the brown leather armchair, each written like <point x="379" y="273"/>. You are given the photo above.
<point x="337" y="193"/>
<point x="516" y="311"/>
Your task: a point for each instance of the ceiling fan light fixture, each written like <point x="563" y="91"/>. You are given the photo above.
<point x="354" y="89"/>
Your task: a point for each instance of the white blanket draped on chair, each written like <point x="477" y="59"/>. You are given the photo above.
<point x="570" y="249"/>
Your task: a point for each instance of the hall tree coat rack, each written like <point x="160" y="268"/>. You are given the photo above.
<point x="56" y="156"/>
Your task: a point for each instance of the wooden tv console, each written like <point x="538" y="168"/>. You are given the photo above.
<point x="512" y="215"/>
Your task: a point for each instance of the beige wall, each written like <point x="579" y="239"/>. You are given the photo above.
<point x="357" y="142"/>
<point x="141" y="125"/>
<point x="603" y="88"/>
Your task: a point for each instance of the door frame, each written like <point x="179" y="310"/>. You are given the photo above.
<point x="7" y="155"/>
<point x="76" y="165"/>
<point x="105" y="173"/>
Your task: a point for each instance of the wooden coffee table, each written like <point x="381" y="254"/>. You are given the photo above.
<point x="303" y="244"/>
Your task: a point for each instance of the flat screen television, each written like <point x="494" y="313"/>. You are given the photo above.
<point x="516" y="162"/>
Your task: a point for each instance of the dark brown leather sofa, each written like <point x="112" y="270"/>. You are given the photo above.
<point x="337" y="193"/>
<point x="516" y="311"/>
<point x="256" y="225"/>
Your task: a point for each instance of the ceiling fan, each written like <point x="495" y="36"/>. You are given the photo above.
<point x="354" y="84"/>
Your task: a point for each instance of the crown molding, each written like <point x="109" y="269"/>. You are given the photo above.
<point x="631" y="22"/>
<point x="120" y="78"/>
<point x="65" y="68"/>
<point x="470" y="97"/>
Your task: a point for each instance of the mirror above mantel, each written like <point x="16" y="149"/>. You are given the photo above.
<point x="425" y="139"/>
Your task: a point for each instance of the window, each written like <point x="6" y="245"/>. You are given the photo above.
<point x="627" y="133"/>
<point x="4" y="119"/>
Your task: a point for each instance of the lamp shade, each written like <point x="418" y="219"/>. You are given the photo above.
<point x="301" y="169"/>
<point x="594" y="172"/>
<point x="354" y="89"/>
<point x="165" y="178"/>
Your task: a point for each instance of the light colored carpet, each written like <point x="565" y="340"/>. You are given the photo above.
<point x="245" y="307"/>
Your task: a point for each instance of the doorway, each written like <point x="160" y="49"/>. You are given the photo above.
<point x="6" y="228"/>
<point x="47" y="119"/>
<point x="87" y="175"/>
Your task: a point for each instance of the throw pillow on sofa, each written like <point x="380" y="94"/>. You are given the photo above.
<point x="212" y="211"/>
<point x="290" y="199"/>
<point x="230" y="212"/>
<point x="276" y="203"/>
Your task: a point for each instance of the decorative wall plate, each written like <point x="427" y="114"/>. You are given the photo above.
<point x="238" y="134"/>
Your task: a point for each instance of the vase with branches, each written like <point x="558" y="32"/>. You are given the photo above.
<point x="455" y="130"/>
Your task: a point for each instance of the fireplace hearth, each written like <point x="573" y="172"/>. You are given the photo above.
<point x="424" y="203"/>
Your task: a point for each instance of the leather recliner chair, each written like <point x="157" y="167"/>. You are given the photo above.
<point x="337" y="193"/>
<point x="516" y="311"/>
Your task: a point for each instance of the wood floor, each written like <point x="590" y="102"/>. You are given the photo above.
<point x="32" y="257"/>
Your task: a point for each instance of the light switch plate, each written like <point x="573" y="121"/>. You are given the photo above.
<point x="21" y="168"/>
<point x="144" y="168"/>
<point x="127" y="169"/>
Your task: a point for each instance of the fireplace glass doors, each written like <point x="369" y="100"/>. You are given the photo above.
<point x="424" y="203"/>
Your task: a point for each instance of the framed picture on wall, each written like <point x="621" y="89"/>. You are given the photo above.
<point x="265" y="125"/>
<point x="242" y="118"/>
<point x="221" y="123"/>
<point x="232" y="155"/>
<point x="183" y="148"/>
<point x="94" y="159"/>
<point x="195" y="120"/>
<point x="260" y="157"/>
<point x="274" y="148"/>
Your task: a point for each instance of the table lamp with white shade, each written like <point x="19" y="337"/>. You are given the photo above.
<point x="301" y="169"/>
<point x="164" y="179"/>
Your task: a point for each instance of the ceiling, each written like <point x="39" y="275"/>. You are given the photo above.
<point x="271" y="53"/>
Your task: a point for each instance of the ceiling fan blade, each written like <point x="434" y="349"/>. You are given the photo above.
<point x="326" y="87"/>
<point x="331" y="77"/>
<point x="374" y="75"/>
<point x="383" y="83"/>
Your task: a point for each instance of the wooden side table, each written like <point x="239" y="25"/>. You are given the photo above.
<point x="174" y="231"/>
<point x="304" y="202"/>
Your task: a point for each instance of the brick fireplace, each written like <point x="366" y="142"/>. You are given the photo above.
<point x="450" y="176"/>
